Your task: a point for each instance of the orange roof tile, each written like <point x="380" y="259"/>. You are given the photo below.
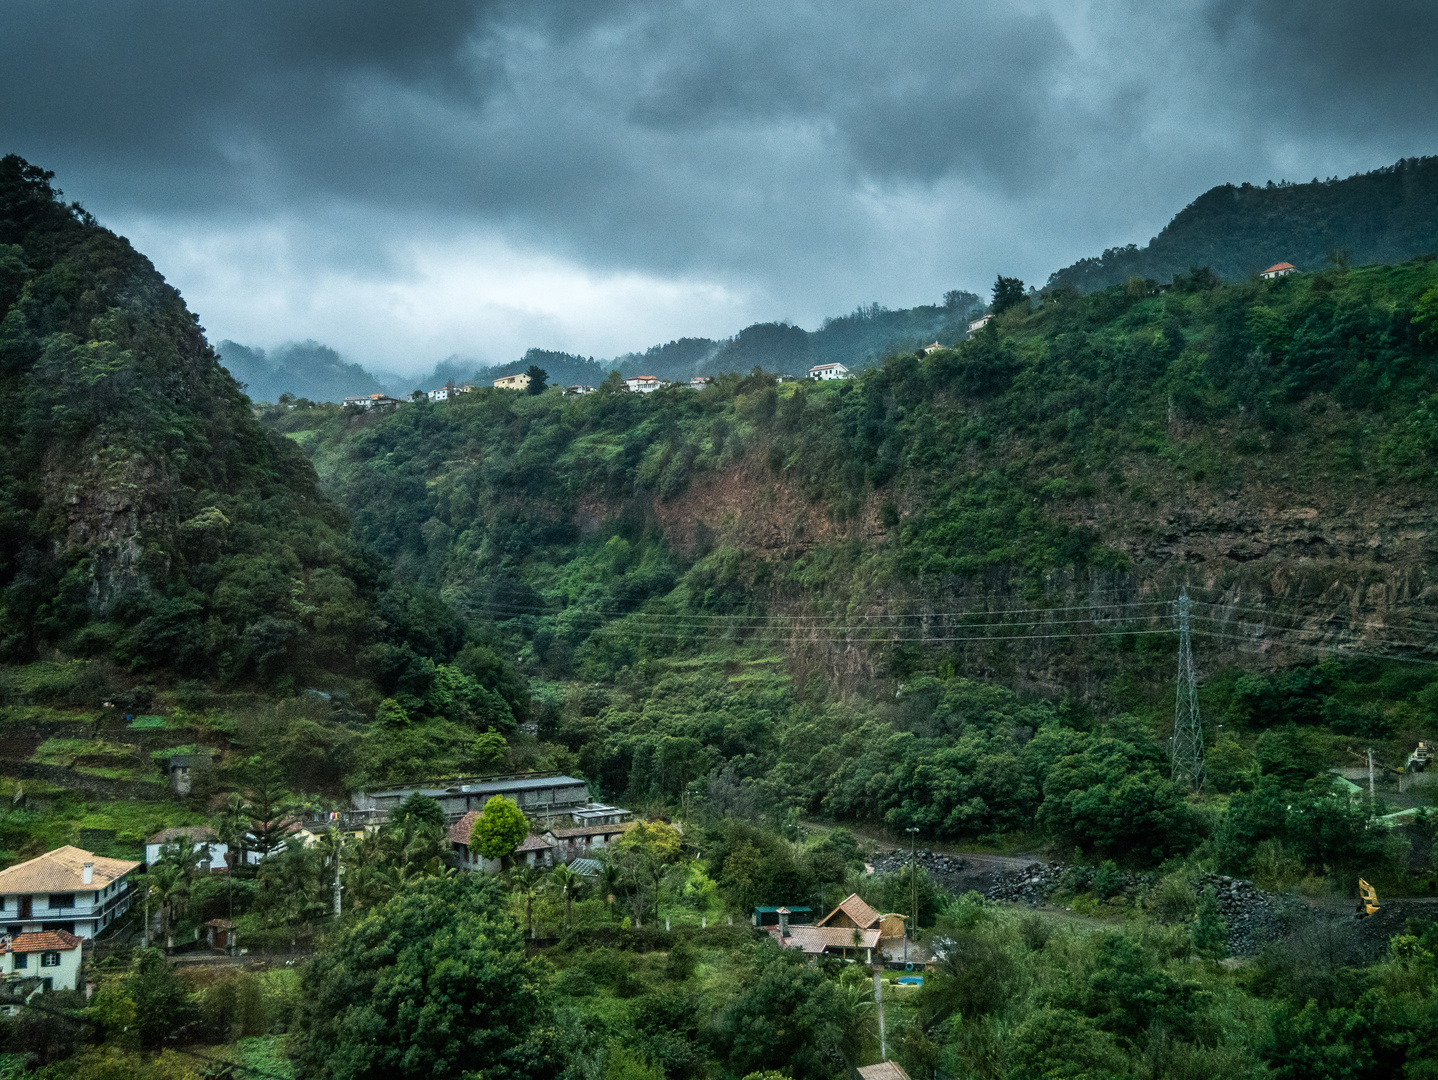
<point x="45" y="941"/>
<point x="856" y="909"/>
<point x="884" y="1070"/>
<point x="62" y="870"/>
<point x="815" y="939"/>
<point x="460" y="831"/>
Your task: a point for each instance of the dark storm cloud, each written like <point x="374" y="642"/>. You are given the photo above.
<point x="1341" y="63"/>
<point x="800" y="157"/>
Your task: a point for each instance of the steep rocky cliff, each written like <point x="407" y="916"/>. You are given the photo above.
<point x="143" y="510"/>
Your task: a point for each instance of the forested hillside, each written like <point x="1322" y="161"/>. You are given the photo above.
<point x="1387" y="215"/>
<point x="147" y="521"/>
<point x="781" y="623"/>
<point x="301" y="369"/>
<point x="785" y="592"/>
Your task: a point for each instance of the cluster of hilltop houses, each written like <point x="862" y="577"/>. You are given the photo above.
<point x="636" y="384"/>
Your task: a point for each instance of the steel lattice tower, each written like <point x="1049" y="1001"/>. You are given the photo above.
<point x="1187" y="728"/>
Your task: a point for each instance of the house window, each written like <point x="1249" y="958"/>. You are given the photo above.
<point x="49" y="959"/>
<point x="22" y="960"/>
<point x="62" y="900"/>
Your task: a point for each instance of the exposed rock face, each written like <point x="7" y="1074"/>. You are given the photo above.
<point x="108" y="507"/>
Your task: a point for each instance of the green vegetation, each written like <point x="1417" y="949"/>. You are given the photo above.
<point x="784" y="622"/>
<point x="1382" y="216"/>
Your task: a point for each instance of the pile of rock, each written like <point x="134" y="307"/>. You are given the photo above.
<point x="1252" y="915"/>
<point x="945" y="869"/>
<point x="1030" y="885"/>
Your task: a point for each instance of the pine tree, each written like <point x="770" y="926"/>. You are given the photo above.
<point x="1209" y="931"/>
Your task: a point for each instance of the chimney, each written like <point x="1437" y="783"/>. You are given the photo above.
<point x="783" y="922"/>
<point x="87" y="873"/>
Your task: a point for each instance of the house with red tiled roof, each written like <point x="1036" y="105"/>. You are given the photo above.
<point x="459" y="834"/>
<point x="36" y="962"/>
<point x="853" y="929"/>
<point x="68" y="890"/>
<point x="1278" y="270"/>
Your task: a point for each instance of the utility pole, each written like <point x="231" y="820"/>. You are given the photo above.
<point x="913" y="886"/>
<point x="338" y="887"/>
<point x="1187" y="728"/>
<point x="1370" y="774"/>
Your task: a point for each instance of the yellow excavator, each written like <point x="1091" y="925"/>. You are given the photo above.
<point x="1368" y="899"/>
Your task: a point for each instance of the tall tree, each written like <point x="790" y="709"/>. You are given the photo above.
<point x="268" y="807"/>
<point x="433" y="984"/>
<point x="500" y="829"/>
<point x="1008" y="292"/>
<point x="538" y="379"/>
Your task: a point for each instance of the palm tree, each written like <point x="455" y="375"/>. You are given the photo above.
<point x="567" y="882"/>
<point x="330" y="847"/>
<point x="524" y="879"/>
<point x="168" y="886"/>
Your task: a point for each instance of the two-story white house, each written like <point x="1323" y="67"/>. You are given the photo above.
<point x="975" y="325"/>
<point x="200" y="839"/>
<point x="68" y="889"/>
<point x="828" y="371"/>
<point x="642" y="384"/>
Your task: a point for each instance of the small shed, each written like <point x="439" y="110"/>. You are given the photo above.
<point x="769" y="916"/>
<point x="180" y="765"/>
<point x="220" y="933"/>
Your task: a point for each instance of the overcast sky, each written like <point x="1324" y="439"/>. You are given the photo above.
<point x="404" y="181"/>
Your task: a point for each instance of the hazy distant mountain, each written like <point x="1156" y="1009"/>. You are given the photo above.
<point x="859" y="340"/>
<point x="1386" y="216"/>
<point x="304" y="369"/>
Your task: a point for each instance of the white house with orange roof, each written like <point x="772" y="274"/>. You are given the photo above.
<point x="68" y="889"/>
<point x="37" y="962"/>
<point x="1278" y="270"/>
<point x="642" y="384"/>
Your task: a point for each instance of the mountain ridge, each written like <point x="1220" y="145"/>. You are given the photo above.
<point x="1387" y="215"/>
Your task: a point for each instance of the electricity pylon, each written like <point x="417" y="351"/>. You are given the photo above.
<point x="1187" y="729"/>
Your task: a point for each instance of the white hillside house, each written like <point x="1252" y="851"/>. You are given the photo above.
<point x="975" y="325"/>
<point x="825" y="372"/>
<point x="1278" y="270"/>
<point x="642" y="384"/>
<point x="35" y="963"/>
<point x="68" y="889"/>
